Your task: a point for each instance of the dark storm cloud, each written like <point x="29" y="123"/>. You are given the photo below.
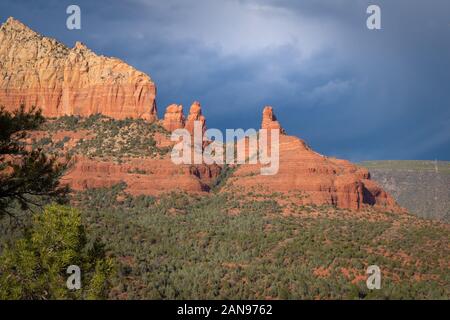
<point x="348" y="91"/>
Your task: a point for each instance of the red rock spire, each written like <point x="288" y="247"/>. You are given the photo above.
<point x="173" y="118"/>
<point x="195" y="114"/>
<point x="270" y="121"/>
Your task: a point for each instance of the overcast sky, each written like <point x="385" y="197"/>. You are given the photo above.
<point x="348" y="91"/>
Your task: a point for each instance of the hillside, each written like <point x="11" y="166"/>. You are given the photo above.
<point x="228" y="243"/>
<point x="179" y="246"/>
<point x="222" y="246"/>
<point x="420" y="186"/>
<point x="106" y="151"/>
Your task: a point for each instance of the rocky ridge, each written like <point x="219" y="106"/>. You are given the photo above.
<point x="40" y="71"/>
<point x="307" y="177"/>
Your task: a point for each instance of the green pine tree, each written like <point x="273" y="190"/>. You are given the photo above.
<point x="27" y="177"/>
<point x="35" y="266"/>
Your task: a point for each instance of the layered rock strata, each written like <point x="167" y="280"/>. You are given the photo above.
<point x="40" y="71"/>
<point x="311" y="178"/>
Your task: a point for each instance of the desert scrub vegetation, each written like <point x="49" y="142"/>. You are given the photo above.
<point x="52" y="148"/>
<point x="112" y="139"/>
<point x="182" y="246"/>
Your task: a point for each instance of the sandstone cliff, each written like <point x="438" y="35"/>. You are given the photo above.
<point x="108" y="152"/>
<point x="40" y="71"/>
<point x="142" y="176"/>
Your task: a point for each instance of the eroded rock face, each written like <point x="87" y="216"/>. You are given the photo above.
<point x="142" y="176"/>
<point x="148" y="174"/>
<point x="40" y="71"/>
<point x="173" y="118"/>
<point x="195" y="114"/>
<point x="269" y="120"/>
<point x="311" y="178"/>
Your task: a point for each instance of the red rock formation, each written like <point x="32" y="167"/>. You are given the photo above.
<point x="304" y="176"/>
<point x="310" y="178"/>
<point x="35" y="70"/>
<point x="195" y="114"/>
<point x="173" y="118"/>
<point x="269" y="121"/>
<point x="142" y="176"/>
<point x="40" y="71"/>
<point x="145" y="175"/>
